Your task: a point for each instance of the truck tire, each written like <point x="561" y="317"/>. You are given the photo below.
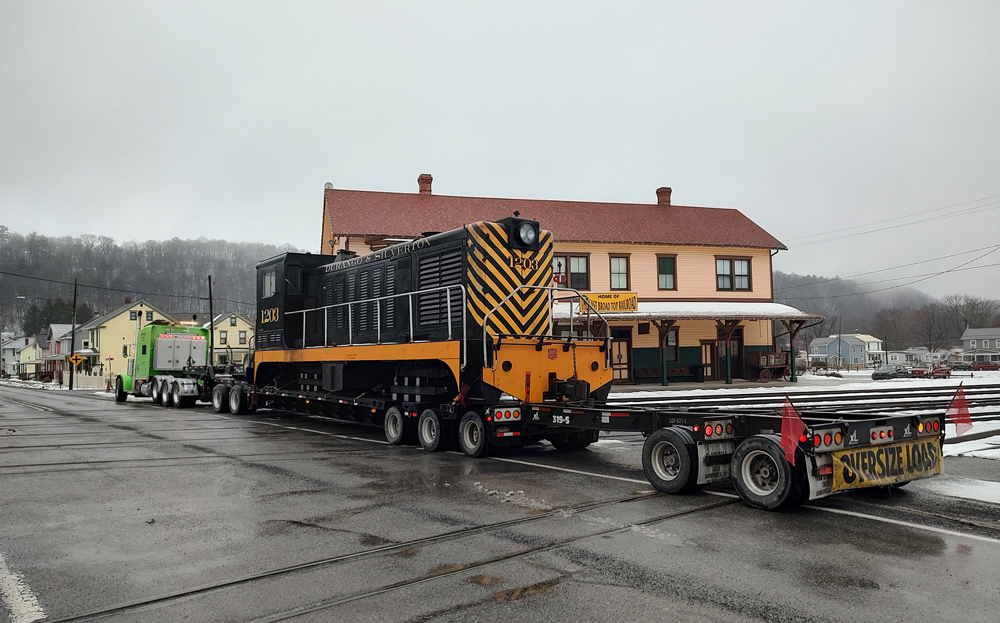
<point x="472" y="437"/>
<point x="220" y="398"/>
<point x="396" y="426"/>
<point x="670" y="460"/>
<point x="168" y="397"/>
<point x="120" y="395"/>
<point x="237" y="400"/>
<point x="179" y="401"/>
<point x="155" y="392"/>
<point x="432" y="431"/>
<point x="762" y="476"/>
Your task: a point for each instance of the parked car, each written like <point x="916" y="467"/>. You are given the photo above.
<point x="986" y="365"/>
<point x="890" y="372"/>
<point x="964" y="366"/>
<point x="930" y="371"/>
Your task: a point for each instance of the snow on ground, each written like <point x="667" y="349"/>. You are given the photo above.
<point x="967" y="488"/>
<point x="32" y="384"/>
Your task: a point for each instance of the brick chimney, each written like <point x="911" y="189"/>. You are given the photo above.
<point x="424" y="181"/>
<point x="663" y="195"/>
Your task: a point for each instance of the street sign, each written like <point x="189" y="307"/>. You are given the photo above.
<point x="76" y="359"/>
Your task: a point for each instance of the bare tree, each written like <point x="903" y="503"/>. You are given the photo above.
<point x="892" y="325"/>
<point x="931" y="326"/>
<point x="971" y="312"/>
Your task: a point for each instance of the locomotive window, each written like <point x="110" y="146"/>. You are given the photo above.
<point x="293" y="277"/>
<point x="269" y="283"/>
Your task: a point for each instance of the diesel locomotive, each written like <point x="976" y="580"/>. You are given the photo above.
<point x="440" y="337"/>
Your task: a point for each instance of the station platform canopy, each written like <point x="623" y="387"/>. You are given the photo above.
<point x="690" y="310"/>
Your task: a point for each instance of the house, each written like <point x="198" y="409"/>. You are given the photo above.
<point x="27" y="359"/>
<point x="55" y="357"/>
<point x="981" y="344"/>
<point x="232" y="337"/>
<point x="855" y="349"/>
<point x="700" y="277"/>
<point x="9" y="354"/>
<point x="109" y="340"/>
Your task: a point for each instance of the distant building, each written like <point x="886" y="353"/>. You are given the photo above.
<point x="109" y="340"/>
<point x="854" y="349"/>
<point x="981" y="345"/>
<point x="232" y="337"/>
<point x="9" y="354"/>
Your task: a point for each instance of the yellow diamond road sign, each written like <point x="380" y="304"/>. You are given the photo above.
<point x="76" y="359"/>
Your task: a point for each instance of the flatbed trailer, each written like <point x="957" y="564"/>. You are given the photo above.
<point x="684" y="449"/>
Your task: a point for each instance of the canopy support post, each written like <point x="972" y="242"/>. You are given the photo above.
<point x="793" y="326"/>
<point x="663" y="328"/>
<point x="729" y="327"/>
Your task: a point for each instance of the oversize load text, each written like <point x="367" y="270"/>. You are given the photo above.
<point x="882" y="465"/>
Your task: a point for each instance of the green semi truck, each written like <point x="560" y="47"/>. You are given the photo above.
<point x="170" y="365"/>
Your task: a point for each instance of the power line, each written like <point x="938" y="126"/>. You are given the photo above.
<point x="110" y="289"/>
<point x="968" y="212"/>
<point x="902" y="285"/>
<point x="882" y="270"/>
<point x="895" y="218"/>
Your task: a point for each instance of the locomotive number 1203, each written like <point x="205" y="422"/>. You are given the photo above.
<point x="269" y="315"/>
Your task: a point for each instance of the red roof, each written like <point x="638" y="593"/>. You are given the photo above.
<point x="359" y="213"/>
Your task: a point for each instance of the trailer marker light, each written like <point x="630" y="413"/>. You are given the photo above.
<point x="803" y="439"/>
<point x="874" y="435"/>
<point x="935" y="426"/>
<point x="827" y="438"/>
<point x="718" y="429"/>
<point x="729" y="429"/>
<point x="825" y="471"/>
<point x="708" y="431"/>
<point x="489" y="418"/>
<point x="816" y="441"/>
<point x="890" y="433"/>
<point x="838" y="438"/>
<point x="920" y="427"/>
<point x="696" y="428"/>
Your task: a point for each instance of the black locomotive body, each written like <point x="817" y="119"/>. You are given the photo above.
<point x="404" y="326"/>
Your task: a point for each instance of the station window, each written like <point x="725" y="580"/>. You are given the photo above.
<point x="269" y="283"/>
<point x="732" y="273"/>
<point x="243" y="337"/>
<point x="619" y="272"/>
<point x="571" y="271"/>
<point x="222" y="338"/>
<point x="232" y="321"/>
<point x="666" y="268"/>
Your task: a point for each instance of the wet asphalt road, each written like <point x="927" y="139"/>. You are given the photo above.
<point x="139" y="513"/>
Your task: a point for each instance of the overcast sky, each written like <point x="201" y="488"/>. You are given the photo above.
<point x="226" y="118"/>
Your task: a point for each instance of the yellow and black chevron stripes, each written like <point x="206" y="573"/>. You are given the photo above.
<point x="495" y="270"/>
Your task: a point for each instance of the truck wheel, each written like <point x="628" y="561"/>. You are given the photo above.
<point x="237" y="400"/>
<point x="472" y="436"/>
<point x="179" y="401"/>
<point x="395" y="425"/>
<point x="220" y="398"/>
<point x="168" y="397"/>
<point x="155" y="393"/>
<point x="764" y="478"/>
<point x="120" y="395"/>
<point x="670" y="460"/>
<point x="432" y="431"/>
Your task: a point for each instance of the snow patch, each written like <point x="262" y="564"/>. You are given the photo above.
<point x="967" y="488"/>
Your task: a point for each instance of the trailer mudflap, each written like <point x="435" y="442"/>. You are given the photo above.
<point x="878" y="466"/>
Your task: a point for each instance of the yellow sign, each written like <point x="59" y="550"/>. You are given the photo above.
<point x="610" y="302"/>
<point x="876" y="466"/>
<point x="76" y="359"/>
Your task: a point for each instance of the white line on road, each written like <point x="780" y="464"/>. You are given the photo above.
<point x="17" y="596"/>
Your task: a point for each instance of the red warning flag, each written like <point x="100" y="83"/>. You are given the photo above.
<point x="958" y="413"/>
<point x="792" y="427"/>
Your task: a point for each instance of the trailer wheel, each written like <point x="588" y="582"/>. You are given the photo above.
<point x="432" y="431"/>
<point x="395" y="426"/>
<point x="120" y="395"/>
<point x="237" y="400"/>
<point x="764" y="478"/>
<point x="472" y="436"/>
<point x="220" y="398"/>
<point x="168" y="397"/>
<point x="156" y="394"/>
<point x="670" y="460"/>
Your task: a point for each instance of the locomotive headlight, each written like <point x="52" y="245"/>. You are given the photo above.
<point x="527" y="234"/>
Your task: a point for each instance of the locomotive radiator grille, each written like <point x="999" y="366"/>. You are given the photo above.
<point x="495" y="270"/>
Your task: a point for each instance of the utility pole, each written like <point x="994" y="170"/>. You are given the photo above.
<point x="72" y="338"/>
<point x="211" y="325"/>
<point x="840" y="343"/>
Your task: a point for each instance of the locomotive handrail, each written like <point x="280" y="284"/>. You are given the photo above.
<point x="486" y="318"/>
<point x="378" y="317"/>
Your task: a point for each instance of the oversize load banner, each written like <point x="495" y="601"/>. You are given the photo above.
<point x="610" y="302"/>
<point x="884" y="465"/>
